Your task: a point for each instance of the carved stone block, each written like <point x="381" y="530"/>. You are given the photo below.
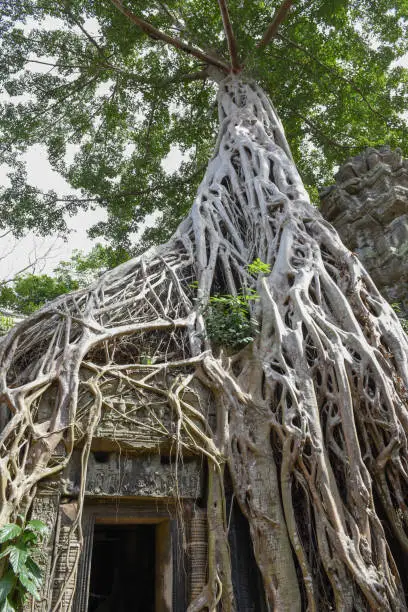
<point x="66" y="559"/>
<point x="135" y="475"/>
<point x="368" y="206"/>
<point x="45" y="508"/>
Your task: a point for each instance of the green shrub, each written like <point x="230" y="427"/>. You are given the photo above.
<point x="228" y="321"/>
<point x="227" y="317"/>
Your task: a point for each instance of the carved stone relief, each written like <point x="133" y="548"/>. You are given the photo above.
<point x="135" y="475"/>
<point x="65" y="563"/>
<point x="46" y="509"/>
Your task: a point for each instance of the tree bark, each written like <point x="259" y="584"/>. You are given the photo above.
<point x="311" y="416"/>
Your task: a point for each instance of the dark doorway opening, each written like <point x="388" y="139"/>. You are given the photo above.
<point x="123" y="569"/>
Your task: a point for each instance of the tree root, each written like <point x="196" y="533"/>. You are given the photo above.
<point x="311" y="418"/>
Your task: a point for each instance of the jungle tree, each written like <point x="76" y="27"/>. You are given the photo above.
<point x="311" y="398"/>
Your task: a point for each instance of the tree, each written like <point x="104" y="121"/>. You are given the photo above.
<point x="311" y="409"/>
<point x="26" y="292"/>
<point x="124" y="99"/>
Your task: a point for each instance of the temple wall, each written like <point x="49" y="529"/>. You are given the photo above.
<point x="122" y="487"/>
<point x="368" y="206"/>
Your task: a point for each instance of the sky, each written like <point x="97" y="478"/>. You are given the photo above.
<point x="41" y="255"/>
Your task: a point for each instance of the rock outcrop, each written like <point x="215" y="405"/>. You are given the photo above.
<point x="368" y="206"/>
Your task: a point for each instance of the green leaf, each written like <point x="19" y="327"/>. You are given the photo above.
<point x="9" y="532"/>
<point x="28" y="584"/>
<point x="28" y="538"/>
<point x="6" y="606"/>
<point x="37" y="526"/>
<point x="17" y="555"/>
<point x="258" y="267"/>
<point x="6" y="584"/>
<point x="35" y="572"/>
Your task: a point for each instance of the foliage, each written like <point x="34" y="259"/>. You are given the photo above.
<point x="258" y="267"/>
<point x="404" y="322"/>
<point x="28" y="292"/>
<point x="80" y="73"/>
<point x="228" y="321"/>
<point x="6" y="323"/>
<point x="84" y="268"/>
<point x="21" y="574"/>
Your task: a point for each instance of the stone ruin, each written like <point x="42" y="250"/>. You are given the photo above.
<point x="144" y="527"/>
<point x="144" y="522"/>
<point x="368" y="206"/>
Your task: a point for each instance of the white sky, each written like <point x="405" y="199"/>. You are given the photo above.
<point x="17" y="255"/>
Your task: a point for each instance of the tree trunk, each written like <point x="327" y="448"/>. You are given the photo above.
<point x="312" y="415"/>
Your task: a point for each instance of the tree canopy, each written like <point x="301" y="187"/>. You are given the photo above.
<point x="85" y="74"/>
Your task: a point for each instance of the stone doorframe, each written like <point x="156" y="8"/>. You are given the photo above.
<point x="171" y="562"/>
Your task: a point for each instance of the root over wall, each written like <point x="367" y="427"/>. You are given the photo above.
<point x="311" y="418"/>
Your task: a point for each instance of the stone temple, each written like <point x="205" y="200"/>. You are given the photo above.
<point x="368" y="206"/>
<point x="144" y="526"/>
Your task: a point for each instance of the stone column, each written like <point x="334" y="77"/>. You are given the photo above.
<point x="66" y="560"/>
<point x="46" y="509"/>
<point x="198" y="552"/>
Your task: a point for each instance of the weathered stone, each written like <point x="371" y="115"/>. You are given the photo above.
<point x="66" y="556"/>
<point x="368" y="206"/>
<point x="135" y="475"/>
<point x="45" y="508"/>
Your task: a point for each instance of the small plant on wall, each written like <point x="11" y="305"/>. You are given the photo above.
<point x="20" y="574"/>
<point x="228" y="319"/>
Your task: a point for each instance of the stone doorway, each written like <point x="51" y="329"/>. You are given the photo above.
<point x="129" y="559"/>
<point x="123" y="569"/>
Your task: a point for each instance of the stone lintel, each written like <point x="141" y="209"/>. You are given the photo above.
<point x="113" y="475"/>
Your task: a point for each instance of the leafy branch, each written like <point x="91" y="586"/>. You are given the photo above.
<point x="278" y="18"/>
<point x="157" y="34"/>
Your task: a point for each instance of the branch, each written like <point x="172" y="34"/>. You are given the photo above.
<point x="232" y="43"/>
<point x="156" y="34"/>
<point x="319" y="132"/>
<point x="32" y="265"/>
<point x="279" y="17"/>
<point x="348" y="80"/>
<point x="84" y="31"/>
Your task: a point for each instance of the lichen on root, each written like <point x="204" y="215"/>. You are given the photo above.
<point x="311" y="418"/>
